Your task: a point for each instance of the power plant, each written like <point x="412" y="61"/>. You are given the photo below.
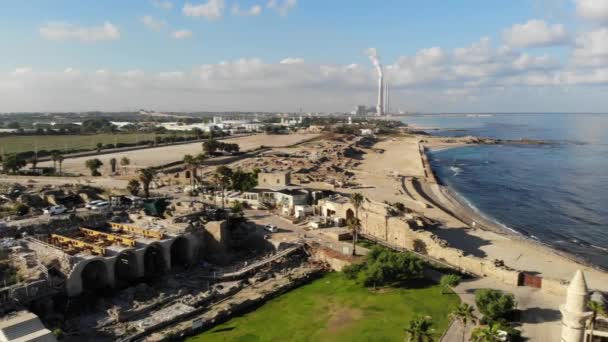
<point x="382" y="103"/>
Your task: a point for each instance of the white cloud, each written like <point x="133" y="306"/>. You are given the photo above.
<point x="433" y="78"/>
<point x="60" y="31"/>
<point x="282" y="7"/>
<point x="596" y="10"/>
<point x="153" y="23"/>
<point x="535" y="33"/>
<point x="592" y="48"/>
<point x="290" y="60"/>
<point x="251" y="11"/>
<point x="182" y="34"/>
<point x="162" y="4"/>
<point x="212" y="10"/>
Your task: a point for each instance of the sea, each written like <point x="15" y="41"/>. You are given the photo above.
<point x="555" y="193"/>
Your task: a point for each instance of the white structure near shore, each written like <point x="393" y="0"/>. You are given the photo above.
<point x="574" y="312"/>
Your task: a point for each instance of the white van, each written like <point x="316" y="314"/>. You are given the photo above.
<point x="55" y="210"/>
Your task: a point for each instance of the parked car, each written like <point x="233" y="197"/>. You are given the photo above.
<point x="271" y="228"/>
<point x="92" y="204"/>
<point x="101" y="205"/>
<point x="55" y="210"/>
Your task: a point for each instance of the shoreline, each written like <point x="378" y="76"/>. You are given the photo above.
<point x="457" y="206"/>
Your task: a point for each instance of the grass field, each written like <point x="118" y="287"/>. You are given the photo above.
<point x="16" y="144"/>
<point x="336" y="309"/>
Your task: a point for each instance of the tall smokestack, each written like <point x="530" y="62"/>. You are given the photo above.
<point x="373" y="56"/>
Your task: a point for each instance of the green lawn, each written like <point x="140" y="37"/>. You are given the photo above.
<point x="336" y="309"/>
<point x="16" y="144"/>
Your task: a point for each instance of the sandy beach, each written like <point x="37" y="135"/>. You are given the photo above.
<point x="484" y="238"/>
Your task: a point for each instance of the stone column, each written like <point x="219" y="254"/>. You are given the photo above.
<point x="574" y="312"/>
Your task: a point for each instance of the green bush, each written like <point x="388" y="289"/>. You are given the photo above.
<point x="495" y="305"/>
<point x="384" y="266"/>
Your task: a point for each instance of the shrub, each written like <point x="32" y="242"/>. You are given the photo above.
<point x="448" y="281"/>
<point x="494" y="304"/>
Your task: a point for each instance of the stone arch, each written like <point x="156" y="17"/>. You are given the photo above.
<point x="94" y="275"/>
<point x="180" y="252"/>
<point x="350" y="214"/>
<point x="187" y="174"/>
<point x="125" y="268"/>
<point x="154" y="260"/>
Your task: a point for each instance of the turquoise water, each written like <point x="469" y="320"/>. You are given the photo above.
<point x="557" y="194"/>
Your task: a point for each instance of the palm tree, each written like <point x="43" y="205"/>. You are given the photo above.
<point x="463" y="314"/>
<point x="222" y="178"/>
<point x="356" y="200"/>
<point x="59" y="158"/>
<point x="34" y="162"/>
<point x="146" y="176"/>
<point x="354" y="225"/>
<point x="597" y="309"/>
<point x="99" y="147"/>
<point x="199" y="159"/>
<point x="419" y="330"/>
<point x="487" y="333"/>
<point x="124" y="162"/>
<point x="113" y="164"/>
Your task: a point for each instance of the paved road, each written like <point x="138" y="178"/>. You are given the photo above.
<point x="540" y="317"/>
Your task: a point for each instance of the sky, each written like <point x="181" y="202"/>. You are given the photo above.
<point x="308" y="55"/>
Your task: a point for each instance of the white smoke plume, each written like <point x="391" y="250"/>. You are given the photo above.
<point x="373" y="56"/>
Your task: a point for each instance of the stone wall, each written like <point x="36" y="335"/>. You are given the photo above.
<point x="335" y="260"/>
<point x="396" y="231"/>
<point x="53" y="224"/>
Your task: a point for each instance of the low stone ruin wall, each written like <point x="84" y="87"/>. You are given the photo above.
<point x="55" y="224"/>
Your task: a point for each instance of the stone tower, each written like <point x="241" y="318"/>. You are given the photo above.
<point x="574" y="312"/>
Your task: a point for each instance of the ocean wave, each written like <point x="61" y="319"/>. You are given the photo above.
<point x="456" y="170"/>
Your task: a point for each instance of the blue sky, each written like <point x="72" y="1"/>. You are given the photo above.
<point x="226" y="60"/>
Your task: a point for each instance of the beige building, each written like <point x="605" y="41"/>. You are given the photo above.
<point x="274" y="179"/>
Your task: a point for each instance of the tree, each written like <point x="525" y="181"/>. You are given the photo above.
<point x="354" y="225"/>
<point x="237" y="208"/>
<point x="57" y="158"/>
<point x="199" y="161"/>
<point x="124" y="162"/>
<point x="134" y="186"/>
<point x="356" y="200"/>
<point x="99" y="147"/>
<point x="13" y="163"/>
<point x="94" y="165"/>
<point x="494" y="304"/>
<point x="449" y="281"/>
<point x="113" y="164"/>
<point x="489" y="333"/>
<point x="597" y="309"/>
<point x="34" y="161"/>
<point x="419" y="330"/>
<point x="210" y="146"/>
<point x="384" y="266"/>
<point x="146" y="176"/>
<point x="463" y="314"/>
<point x="222" y="178"/>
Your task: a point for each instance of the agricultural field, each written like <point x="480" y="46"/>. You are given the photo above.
<point x="24" y="143"/>
<point x="333" y="308"/>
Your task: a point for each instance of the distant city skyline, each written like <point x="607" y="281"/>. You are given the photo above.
<point x="283" y="55"/>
